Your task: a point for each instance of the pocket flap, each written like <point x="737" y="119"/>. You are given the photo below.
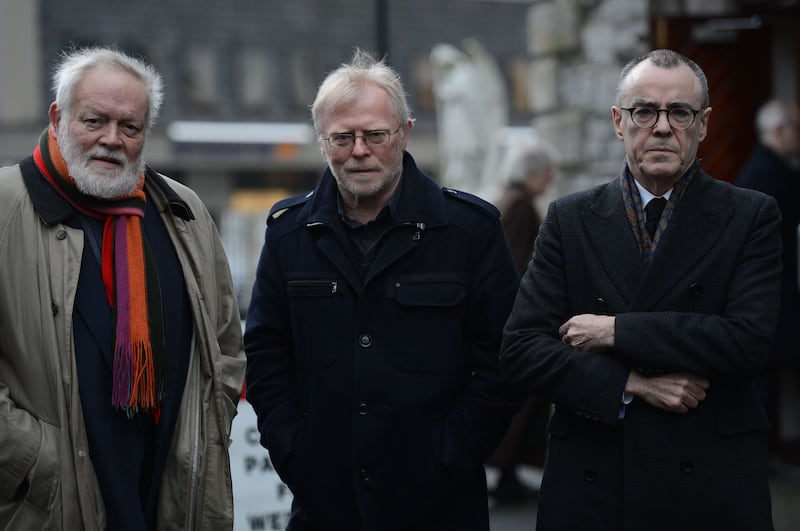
<point x="441" y="293"/>
<point x="746" y="418"/>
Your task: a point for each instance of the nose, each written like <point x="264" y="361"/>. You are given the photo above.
<point x="662" y="123"/>
<point x="111" y="135"/>
<point x="360" y="146"/>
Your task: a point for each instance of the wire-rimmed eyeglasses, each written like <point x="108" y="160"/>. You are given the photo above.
<point x="647" y="117"/>
<point x="375" y="137"/>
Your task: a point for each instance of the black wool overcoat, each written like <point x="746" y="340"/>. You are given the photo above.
<point x="707" y="304"/>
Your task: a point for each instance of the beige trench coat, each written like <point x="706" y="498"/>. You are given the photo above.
<point x="41" y="422"/>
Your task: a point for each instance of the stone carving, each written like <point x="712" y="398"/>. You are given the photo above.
<point x="471" y="110"/>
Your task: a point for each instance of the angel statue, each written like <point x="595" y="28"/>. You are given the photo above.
<point x="471" y="109"/>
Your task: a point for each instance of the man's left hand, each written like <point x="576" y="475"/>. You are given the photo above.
<point x="589" y="332"/>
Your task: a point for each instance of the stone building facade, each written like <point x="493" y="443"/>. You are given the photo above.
<point x="260" y="61"/>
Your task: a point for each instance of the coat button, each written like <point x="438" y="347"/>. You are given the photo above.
<point x="365" y="340"/>
<point x="364" y="473"/>
<point x="600" y="303"/>
<point x="61" y="234"/>
<point x="590" y="476"/>
<point x="363" y="408"/>
<point x="695" y="289"/>
<point x="687" y="467"/>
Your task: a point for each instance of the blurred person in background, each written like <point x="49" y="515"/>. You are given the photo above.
<point x="373" y="332"/>
<point x="528" y="170"/>
<point x="774" y="168"/>
<point x="647" y="311"/>
<point x="121" y="361"/>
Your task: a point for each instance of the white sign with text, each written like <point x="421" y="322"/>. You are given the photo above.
<point x="261" y="501"/>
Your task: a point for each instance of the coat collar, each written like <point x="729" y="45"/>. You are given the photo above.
<point x="696" y="225"/>
<point x="420" y="200"/>
<point x="53" y="208"/>
<point x="419" y="206"/>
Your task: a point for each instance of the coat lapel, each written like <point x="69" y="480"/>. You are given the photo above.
<point x="399" y="241"/>
<point x="334" y="246"/>
<point x="695" y="227"/>
<point x="610" y="234"/>
<point x="93" y="309"/>
<point x="419" y="207"/>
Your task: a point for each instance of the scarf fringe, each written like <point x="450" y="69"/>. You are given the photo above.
<point x="135" y="388"/>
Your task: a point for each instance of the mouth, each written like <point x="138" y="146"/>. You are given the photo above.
<point x="107" y="161"/>
<point x="661" y="153"/>
<point x="360" y="171"/>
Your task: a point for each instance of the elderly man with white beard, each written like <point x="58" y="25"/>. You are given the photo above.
<point x="121" y="361"/>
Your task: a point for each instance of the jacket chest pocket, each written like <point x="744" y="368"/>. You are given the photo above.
<point x="316" y="331"/>
<point x="427" y="317"/>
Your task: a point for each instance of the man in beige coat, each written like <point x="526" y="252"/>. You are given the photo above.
<point x="120" y="360"/>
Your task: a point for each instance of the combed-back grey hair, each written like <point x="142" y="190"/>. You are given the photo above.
<point x="664" y="58"/>
<point x="342" y="86"/>
<point x="75" y="63"/>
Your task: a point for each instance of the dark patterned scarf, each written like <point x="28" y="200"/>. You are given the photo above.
<point x="635" y="210"/>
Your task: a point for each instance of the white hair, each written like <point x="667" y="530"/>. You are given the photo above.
<point x="74" y="64"/>
<point x="770" y="116"/>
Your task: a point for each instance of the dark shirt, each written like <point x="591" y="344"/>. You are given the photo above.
<point x="128" y="455"/>
<point x="364" y="238"/>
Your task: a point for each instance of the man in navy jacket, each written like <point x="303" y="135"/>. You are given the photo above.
<point x="373" y="332"/>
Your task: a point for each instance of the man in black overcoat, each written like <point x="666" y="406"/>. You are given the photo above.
<point x="647" y="336"/>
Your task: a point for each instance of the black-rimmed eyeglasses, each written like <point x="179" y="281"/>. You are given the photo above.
<point x="647" y="117"/>
<point x="376" y="137"/>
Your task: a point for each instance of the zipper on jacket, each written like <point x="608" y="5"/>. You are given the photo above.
<point x="331" y="285"/>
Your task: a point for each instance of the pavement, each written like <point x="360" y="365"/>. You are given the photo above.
<point x="784" y="481"/>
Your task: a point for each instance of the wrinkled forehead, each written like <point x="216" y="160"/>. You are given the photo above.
<point x="113" y="84"/>
<point x="648" y="83"/>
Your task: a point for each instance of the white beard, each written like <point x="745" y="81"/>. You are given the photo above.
<point x="99" y="182"/>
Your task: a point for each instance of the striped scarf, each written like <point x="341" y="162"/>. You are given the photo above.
<point x="635" y="210"/>
<point x="131" y="283"/>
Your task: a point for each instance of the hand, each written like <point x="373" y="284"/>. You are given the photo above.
<point x="676" y="392"/>
<point x="589" y="332"/>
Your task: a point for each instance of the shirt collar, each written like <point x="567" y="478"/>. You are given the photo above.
<point x="647" y="196"/>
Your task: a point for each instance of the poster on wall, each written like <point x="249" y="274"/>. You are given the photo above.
<point x="261" y="501"/>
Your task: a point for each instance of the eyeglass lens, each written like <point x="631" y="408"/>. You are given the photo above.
<point x="678" y="117"/>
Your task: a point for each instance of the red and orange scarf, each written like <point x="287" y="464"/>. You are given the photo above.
<point x="130" y="278"/>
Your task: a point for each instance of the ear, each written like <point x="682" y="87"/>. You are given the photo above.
<point x="616" y="117"/>
<point x="704" y="123"/>
<point x="408" y="127"/>
<point x="55" y="118"/>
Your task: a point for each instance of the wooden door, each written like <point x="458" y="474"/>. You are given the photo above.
<point x="739" y="71"/>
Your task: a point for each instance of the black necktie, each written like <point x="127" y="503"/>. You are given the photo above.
<point x="654" y="209"/>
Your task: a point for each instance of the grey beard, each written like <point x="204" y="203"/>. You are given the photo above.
<point x="102" y="184"/>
